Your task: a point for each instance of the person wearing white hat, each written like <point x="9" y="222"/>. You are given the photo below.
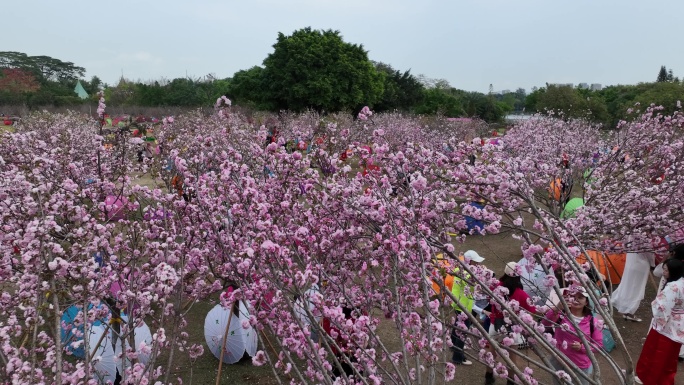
<point x="473" y="256"/>
<point x="463" y="290"/>
<point x="481" y="300"/>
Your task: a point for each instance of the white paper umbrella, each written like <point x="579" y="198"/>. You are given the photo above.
<point x="142" y="334"/>
<point x="215" y="329"/>
<point x="104" y="362"/>
<point x="307" y="300"/>
<point x="250" y="334"/>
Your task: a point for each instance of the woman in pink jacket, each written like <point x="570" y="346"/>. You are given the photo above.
<point x="566" y="334"/>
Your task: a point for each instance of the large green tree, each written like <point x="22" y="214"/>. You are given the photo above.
<point x="571" y="102"/>
<point x="56" y="80"/>
<point x="401" y="91"/>
<point x="246" y="88"/>
<point x="315" y="69"/>
<point x="46" y="68"/>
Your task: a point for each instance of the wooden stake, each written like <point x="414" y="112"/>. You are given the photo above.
<point x="263" y="333"/>
<point x="223" y="345"/>
<point x="653" y="282"/>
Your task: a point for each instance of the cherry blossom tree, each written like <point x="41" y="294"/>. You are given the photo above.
<point x="321" y="252"/>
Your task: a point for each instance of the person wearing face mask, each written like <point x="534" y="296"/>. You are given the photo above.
<point x="567" y="334"/>
<point x="657" y="364"/>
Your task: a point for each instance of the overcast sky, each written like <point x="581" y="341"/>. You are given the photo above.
<point x="470" y="43"/>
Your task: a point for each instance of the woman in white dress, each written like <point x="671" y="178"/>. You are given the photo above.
<point x="630" y="291"/>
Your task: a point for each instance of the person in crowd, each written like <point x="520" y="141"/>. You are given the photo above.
<point x="567" y="334"/>
<point x="463" y="290"/>
<point x="481" y="305"/>
<point x="510" y="280"/>
<point x="677" y="252"/>
<point x="657" y="363"/>
<point x="342" y="340"/>
<point x="630" y="292"/>
<point x="533" y="279"/>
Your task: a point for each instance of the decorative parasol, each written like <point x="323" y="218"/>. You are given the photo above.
<point x="115" y="208"/>
<point x="533" y="279"/>
<point x="570" y="208"/>
<point x="142" y="334"/>
<point x="118" y="285"/>
<point x="104" y="362"/>
<point x="219" y="325"/>
<point x="611" y="265"/>
<point x="249" y="334"/>
<point x="72" y="332"/>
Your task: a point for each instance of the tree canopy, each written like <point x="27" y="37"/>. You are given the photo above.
<point x="401" y="90"/>
<point x="45" y="68"/>
<point x="313" y="69"/>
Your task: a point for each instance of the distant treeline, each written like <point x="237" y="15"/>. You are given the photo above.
<point x="609" y="105"/>
<point x="340" y="78"/>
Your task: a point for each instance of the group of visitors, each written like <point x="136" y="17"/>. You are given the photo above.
<point x="469" y="299"/>
<point x="575" y="328"/>
<point x="658" y="362"/>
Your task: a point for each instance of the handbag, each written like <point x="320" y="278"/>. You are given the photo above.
<point x="608" y="340"/>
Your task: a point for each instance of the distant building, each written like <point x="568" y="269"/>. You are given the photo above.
<point x="517" y="118"/>
<point x="582" y="86"/>
<point x="504" y="92"/>
<point x="561" y="84"/>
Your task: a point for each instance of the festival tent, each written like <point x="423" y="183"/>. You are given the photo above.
<point x="611" y="265"/>
<point x="80" y="91"/>
<point x="570" y="208"/>
<point x="448" y="278"/>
